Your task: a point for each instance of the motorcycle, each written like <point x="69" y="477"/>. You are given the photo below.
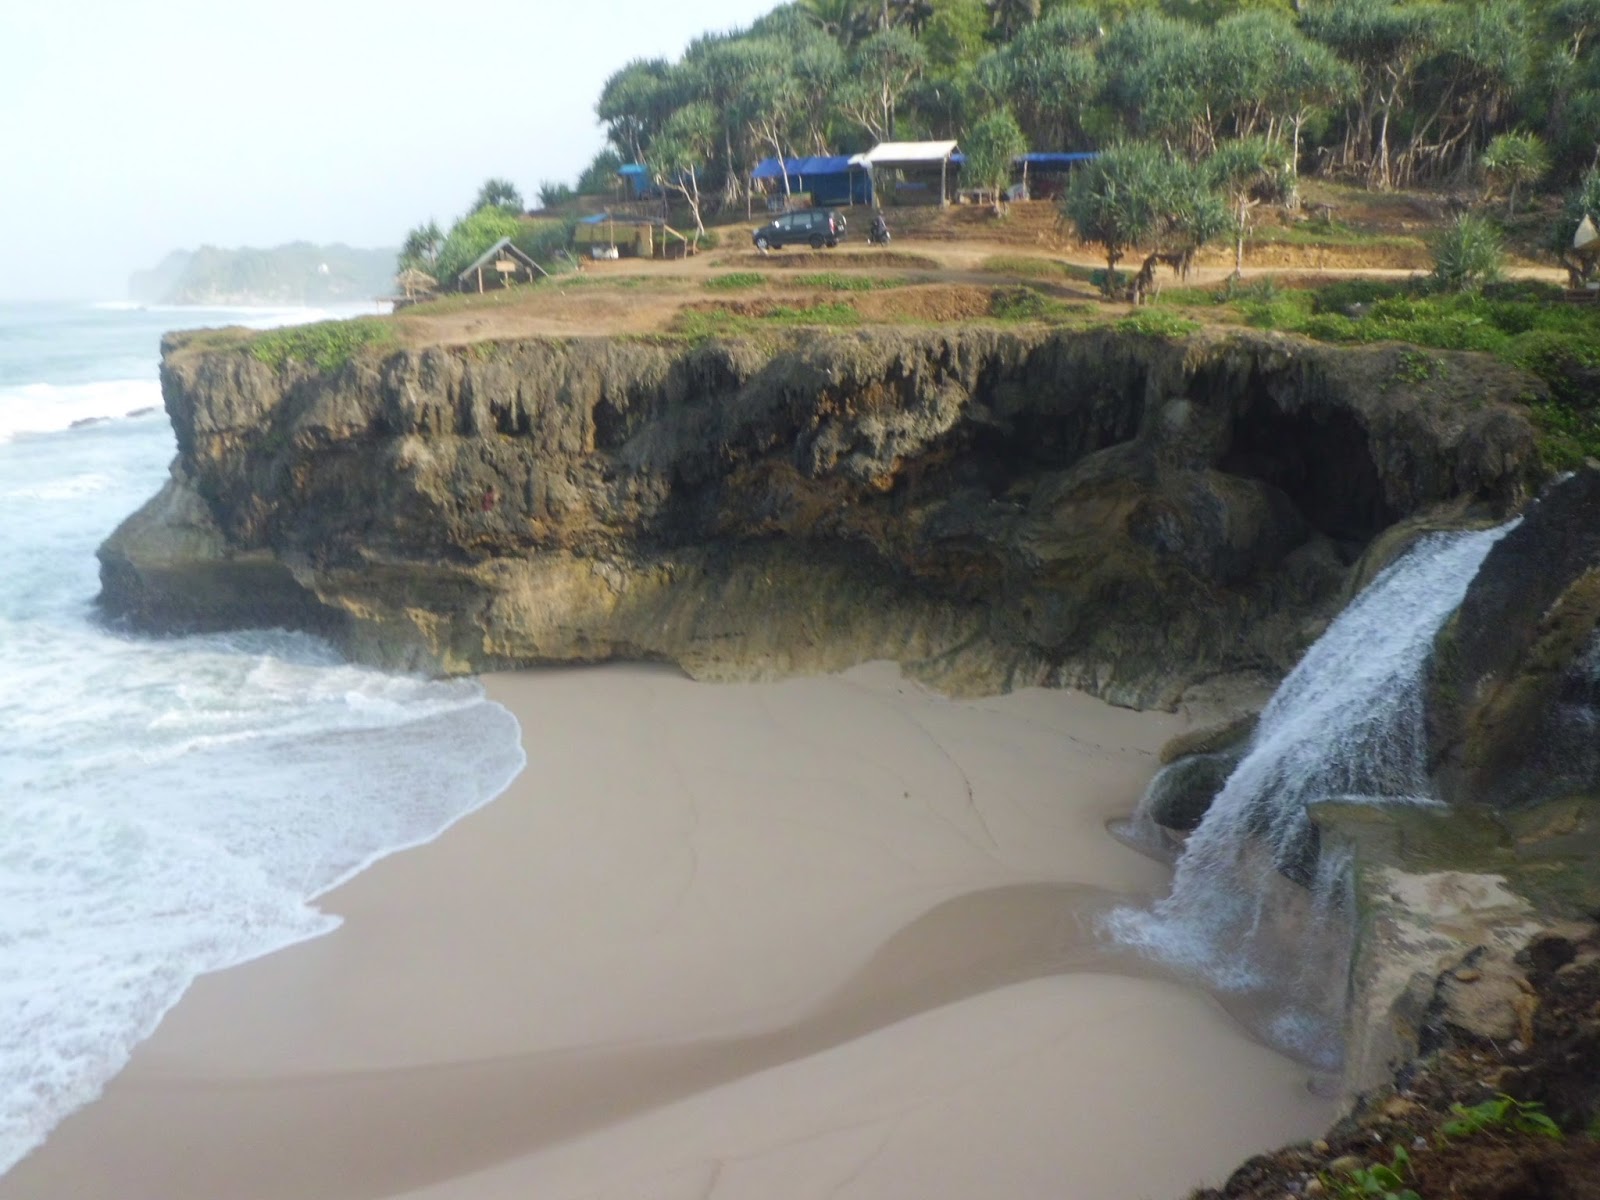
<point x="878" y="235"/>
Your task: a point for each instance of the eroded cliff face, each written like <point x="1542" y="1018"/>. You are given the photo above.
<point x="990" y="508"/>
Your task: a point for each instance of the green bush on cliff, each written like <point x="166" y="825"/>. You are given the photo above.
<point x="1517" y="322"/>
<point x="326" y="346"/>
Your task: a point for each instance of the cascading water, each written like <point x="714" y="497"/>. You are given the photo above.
<point x="1347" y="724"/>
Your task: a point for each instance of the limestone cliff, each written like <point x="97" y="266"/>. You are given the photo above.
<point x="988" y="507"/>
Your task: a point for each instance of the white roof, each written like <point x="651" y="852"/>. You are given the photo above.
<point x="909" y="152"/>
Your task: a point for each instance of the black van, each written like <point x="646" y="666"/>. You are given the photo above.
<point x="817" y="227"/>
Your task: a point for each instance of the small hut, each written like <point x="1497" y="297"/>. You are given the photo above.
<point x="501" y="265"/>
<point x="415" y="284"/>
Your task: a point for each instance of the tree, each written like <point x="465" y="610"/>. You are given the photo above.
<point x="421" y="247"/>
<point x="1006" y="17"/>
<point x="635" y="102"/>
<point x="1159" y="80"/>
<point x="1116" y="201"/>
<point x="552" y="192"/>
<point x="881" y="69"/>
<point x="1136" y="195"/>
<point x="1386" y="42"/>
<point x="1514" y="160"/>
<point x="954" y="34"/>
<point x="599" y="177"/>
<point x="1246" y="172"/>
<point x="470" y="237"/>
<point x="679" y="152"/>
<point x="498" y="193"/>
<point x="991" y="146"/>
<point x="1046" y="75"/>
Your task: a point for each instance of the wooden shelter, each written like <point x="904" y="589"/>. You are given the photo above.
<point x="501" y="265"/>
<point x="914" y="167"/>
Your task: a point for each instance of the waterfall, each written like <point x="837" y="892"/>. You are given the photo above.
<point x="1347" y="724"/>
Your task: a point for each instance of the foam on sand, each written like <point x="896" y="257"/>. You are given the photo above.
<point x="831" y="936"/>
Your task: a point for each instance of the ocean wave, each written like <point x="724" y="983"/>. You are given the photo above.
<point x="53" y="407"/>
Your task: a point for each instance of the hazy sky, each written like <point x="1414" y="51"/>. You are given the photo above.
<point x="132" y="127"/>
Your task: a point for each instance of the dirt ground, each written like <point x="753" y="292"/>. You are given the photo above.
<point x="943" y="264"/>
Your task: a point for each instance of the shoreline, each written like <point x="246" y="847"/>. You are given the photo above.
<point x="823" y="936"/>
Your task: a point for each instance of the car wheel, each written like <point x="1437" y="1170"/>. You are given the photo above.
<point x="816" y="241"/>
<point x="762" y="244"/>
<point x="832" y="242"/>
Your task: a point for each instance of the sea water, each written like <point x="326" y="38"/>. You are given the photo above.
<point x="168" y="806"/>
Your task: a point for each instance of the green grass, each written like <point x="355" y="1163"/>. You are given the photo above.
<point x="834" y="282"/>
<point x="1026" y="267"/>
<point x="1331" y="233"/>
<point x="1518" y="323"/>
<point x="326" y="346"/>
<point x="734" y="281"/>
<point x="1158" y="322"/>
<point x="720" y="322"/>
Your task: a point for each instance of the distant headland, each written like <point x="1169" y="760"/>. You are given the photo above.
<point x="296" y="273"/>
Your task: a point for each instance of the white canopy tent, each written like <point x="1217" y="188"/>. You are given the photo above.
<point x="912" y="156"/>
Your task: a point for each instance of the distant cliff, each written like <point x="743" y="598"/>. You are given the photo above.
<point x="297" y="273"/>
<point x="991" y="508"/>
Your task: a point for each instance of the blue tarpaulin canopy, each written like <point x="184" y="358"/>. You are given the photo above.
<point x="830" y="178"/>
<point x="816" y="164"/>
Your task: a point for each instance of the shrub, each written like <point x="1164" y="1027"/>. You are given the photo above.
<point x="1018" y="304"/>
<point x="1467" y="254"/>
<point x="1158" y="322"/>
<point x="326" y="345"/>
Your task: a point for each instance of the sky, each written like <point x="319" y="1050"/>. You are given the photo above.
<point x="129" y="128"/>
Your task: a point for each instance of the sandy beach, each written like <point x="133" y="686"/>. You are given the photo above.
<point x="823" y="937"/>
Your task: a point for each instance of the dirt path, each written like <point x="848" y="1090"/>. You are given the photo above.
<point x="936" y="280"/>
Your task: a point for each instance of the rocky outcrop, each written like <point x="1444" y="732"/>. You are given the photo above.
<point x="990" y="508"/>
<point x="1515" y="698"/>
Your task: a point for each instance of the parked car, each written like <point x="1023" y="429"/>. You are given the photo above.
<point x="816" y="227"/>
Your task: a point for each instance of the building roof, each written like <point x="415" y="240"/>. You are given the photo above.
<point x="638" y="169"/>
<point x="908" y="154"/>
<point x="504" y="246"/>
<point x="817" y="164"/>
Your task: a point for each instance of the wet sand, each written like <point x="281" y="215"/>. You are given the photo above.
<point x="825" y="937"/>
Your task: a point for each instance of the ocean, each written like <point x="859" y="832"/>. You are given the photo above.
<point x="168" y="806"/>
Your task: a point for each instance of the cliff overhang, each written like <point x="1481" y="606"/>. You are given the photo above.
<point x="990" y="507"/>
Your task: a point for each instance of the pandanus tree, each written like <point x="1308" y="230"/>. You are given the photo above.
<point x="1247" y="172"/>
<point x="498" y="193"/>
<point x="1515" y="160"/>
<point x="991" y="147"/>
<point x="1139" y="196"/>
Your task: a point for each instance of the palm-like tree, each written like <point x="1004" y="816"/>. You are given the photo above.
<point x="911" y="14"/>
<point x="1008" y="16"/>
<point x="836" y="18"/>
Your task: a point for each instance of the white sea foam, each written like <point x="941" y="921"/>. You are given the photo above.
<point x="169" y="806"/>
<point x="50" y="408"/>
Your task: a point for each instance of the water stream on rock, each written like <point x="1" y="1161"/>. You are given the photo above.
<point x="1255" y="910"/>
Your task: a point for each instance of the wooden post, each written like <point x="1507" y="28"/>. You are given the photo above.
<point x="943" y="192"/>
<point x="480" y="281"/>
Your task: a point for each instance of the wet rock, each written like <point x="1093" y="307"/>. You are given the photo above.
<point x="1514" y="697"/>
